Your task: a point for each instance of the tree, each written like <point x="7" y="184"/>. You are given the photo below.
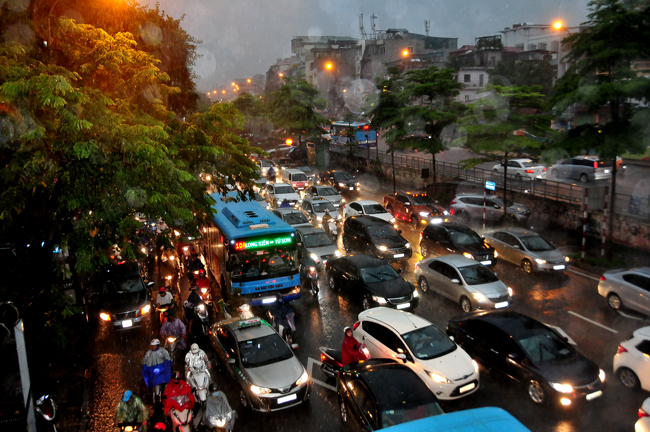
<point x="499" y="126"/>
<point x="294" y="108"/>
<point x="255" y="113"/>
<point x="525" y="73"/>
<point x="603" y="75"/>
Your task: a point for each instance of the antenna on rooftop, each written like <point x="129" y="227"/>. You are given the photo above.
<point x="373" y="17"/>
<point x="363" y="31"/>
<point x="427" y="26"/>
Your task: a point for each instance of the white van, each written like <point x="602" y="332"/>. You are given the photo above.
<point x="296" y="178"/>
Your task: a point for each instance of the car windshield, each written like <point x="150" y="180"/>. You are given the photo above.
<point x="316" y="240"/>
<point x="374" y="209"/>
<point x="477" y="274"/>
<point x="423" y="201"/>
<point x="381" y="273"/>
<point x="543" y="345"/>
<point x="299" y="177"/>
<point x="294" y="218"/>
<point x="263" y="351"/>
<point x="391" y="416"/>
<point x="328" y="191"/>
<point x="281" y="190"/>
<point x="465" y="238"/>
<point x="121" y="284"/>
<point x="499" y="201"/>
<point x="321" y="206"/>
<point x="342" y="176"/>
<point x="428" y="342"/>
<point x="536" y="243"/>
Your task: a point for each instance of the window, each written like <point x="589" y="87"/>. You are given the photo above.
<point x="637" y="280"/>
<point x="402" y="198"/>
<point x="514" y="164"/>
<point x="644" y="347"/>
<point x="364" y="399"/>
<point x="509" y="240"/>
<point x="555" y="46"/>
<point x="385" y="336"/>
<point x="227" y="342"/>
<point x="542" y="45"/>
<point x="466" y="98"/>
<point x="480" y="80"/>
<point x="356" y="207"/>
<point x="532" y="47"/>
<point x="467" y="78"/>
<point x="444" y="269"/>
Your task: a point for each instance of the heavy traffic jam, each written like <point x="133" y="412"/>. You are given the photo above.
<point x="277" y="260"/>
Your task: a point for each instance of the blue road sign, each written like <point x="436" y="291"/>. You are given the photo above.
<point x="490" y="185"/>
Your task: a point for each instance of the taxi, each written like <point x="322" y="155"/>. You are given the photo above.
<point x="269" y="375"/>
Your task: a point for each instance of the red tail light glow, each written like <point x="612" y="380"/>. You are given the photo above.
<point x="322" y="358"/>
<point x="530" y="171"/>
<point x="544" y="169"/>
<point x="602" y="278"/>
<point x="621" y="349"/>
<point x="452" y="211"/>
<point x="595" y="164"/>
<point x="356" y="324"/>
<point x="642" y="413"/>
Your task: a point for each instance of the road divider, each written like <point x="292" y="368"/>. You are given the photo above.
<point x="584" y="275"/>
<point x="593" y="322"/>
<point x="310" y="364"/>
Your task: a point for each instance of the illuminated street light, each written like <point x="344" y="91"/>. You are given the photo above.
<point x="557" y="25"/>
<point x="289" y="141"/>
<point x="329" y="65"/>
<point x="249" y="80"/>
<point x="345" y="90"/>
<point x="223" y="91"/>
<point x="215" y="92"/>
<point x="232" y="84"/>
<point x="405" y="53"/>
<point x="280" y="74"/>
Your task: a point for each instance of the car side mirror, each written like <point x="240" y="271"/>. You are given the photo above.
<point x="496" y="206"/>
<point x="513" y="356"/>
<point x="399" y="232"/>
<point x="455" y="281"/>
<point x="407" y="203"/>
<point x="399" y="270"/>
<point x="295" y="346"/>
<point x="299" y="244"/>
<point x="402" y="357"/>
<point x="452" y="338"/>
<point x="150" y="284"/>
<point x="231" y="361"/>
<point x="516" y="246"/>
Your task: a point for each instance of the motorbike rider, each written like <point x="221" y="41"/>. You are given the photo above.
<point x="196" y="360"/>
<point x="326" y="217"/>
<point x="193" y="300"/>
<point x="195" y="264"/>
<point x="156" y="365"/>
<point x="350" y="349"/>
<point x="202" y="280"/>
<point x="131" y="409"/>
<point x="174" y="327"/>
<point x="164" y="298"/>
<point x="167" y="268"/>
<point x="282" y="313"/>
<point x="285" y="204"/>
<point x="177" y="387"/>
<point x="270" y="174"/>
<point x="217" y="405"/>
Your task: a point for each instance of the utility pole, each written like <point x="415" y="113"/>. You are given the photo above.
<point x="28" y="399"/>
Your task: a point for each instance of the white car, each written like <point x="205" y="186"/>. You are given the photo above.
<point x="632" y="360"/>
<point x="643" y="424"/>
<point x="367" y="207"/>
<point x="276" y="193"/>
<point x="522" y="169"/>
<point x="444" y="367"/>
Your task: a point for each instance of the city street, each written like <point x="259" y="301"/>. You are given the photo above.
<point x="567" y="301"/>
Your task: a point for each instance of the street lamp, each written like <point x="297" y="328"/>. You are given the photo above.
<point x="405" y="53"/>
<point x="329" y="65"/>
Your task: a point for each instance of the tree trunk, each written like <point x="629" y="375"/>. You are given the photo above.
<point x="610" y="218"/>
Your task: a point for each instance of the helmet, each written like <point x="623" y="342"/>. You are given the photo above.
<point x="345" y="330"/>
<point x="284" y="200"/>
<point x="278" y="296"/>
<point x="176" y="377"/>
<point x="126" y="395"/>
<point x="155" y="342"/>
<point x="201" y="272"/>
<point x="194" y="348"/>
<point x="162" y="289"/>
<point x="213" y="387"/>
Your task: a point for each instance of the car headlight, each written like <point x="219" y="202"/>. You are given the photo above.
<point x="380" y="300"/>
<point x="303" y="379"/>
<point x="260" y="390"/>
<point x="562" y="388"/>
<point x="358" y="184"/>
<point x="601" y="375"/>
<point x="440" y="379"/>
<point x="104" y="316"/>
<point x="540" y="261"/>
<point x="319" y="218"/>
<point x="468" y="255"/>
<point x="382" y="248"/>
<point x="314" y="257"/>
<point x="479" y="297"/>
<point x="446" y="213"/>
<point x="510" y="292"/>
<point x="567" y="259"/>
<point x="145" y="310"/>
<point x="407" y="245"/>
<point x="342" y="200"/>
<point x="424" y="214"/>
<point x="416" y="294"/>
<point x="392" y="220"/>
<point x="475" y="366"/>
<point x="496" y="254"/>
<point x="338" y="216"/>
<point x="279" y="201"/>
<point x="337" y="253"/>
<point x="342" y="184"/>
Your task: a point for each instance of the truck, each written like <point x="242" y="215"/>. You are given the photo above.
<point x="416" y="208"/>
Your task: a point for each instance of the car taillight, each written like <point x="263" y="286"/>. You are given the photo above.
<point x="621" y="349"/>
<point x="452" y="211"/>
<point x="642" y="413"/>
<point x="595" y="164"/>
<point x="323" y="357"/>
<point x="544" y="169"/>
<point x="530" y="171"/>
<point x="454" y="201"/>
<point x="356" y="324"/>
<point x="602" y="278"/>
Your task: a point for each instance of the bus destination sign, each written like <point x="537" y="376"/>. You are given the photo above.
<point x="262" y="243"/>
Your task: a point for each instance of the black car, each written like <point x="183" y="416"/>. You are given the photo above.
<point x="372" y="281"/>
<point x="452" y="238"/>
<point x="341" y="180"/>
<point x="380" y="393"/>
<point x="547" y="366"/>
<point x="376" y="237"/>
<point x="119" y="296"/>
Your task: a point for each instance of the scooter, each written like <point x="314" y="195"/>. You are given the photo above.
<point x="205" y="295"/>
<point x="333" y="229"/>
<point x="46" y="407"/>
<point x="170" y="346"/>
<point x="201" y="313"/>
<point x="312" y="280"/>
<point x="331" y="360"/>
<point x="285" y="332"/>
<point x="130" y="427"/>
<point x="244" y="311"/>
<point x="199" y="380"/>
<point x="181" y="414"/>
<point x="219" y="416"/>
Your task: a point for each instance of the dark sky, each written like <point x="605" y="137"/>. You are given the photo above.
<point x="244" y="37"/>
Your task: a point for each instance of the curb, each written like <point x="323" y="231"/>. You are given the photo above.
<point x="83" y="421"/>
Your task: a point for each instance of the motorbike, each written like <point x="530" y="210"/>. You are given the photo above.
<point x="130" y="427"/>
<point x="199" y="380"/>
<point x="46" y="408"/>
<point x="204" y="292"/>
<point x="333" y="229"/>
<point x="331" y="360"/>
<point x="244" y="311"/>
<point x="218" y="414"/>
<point x="312" y="279"/>
<point x="201" y="313"/>
<point x="181" y="413"/>
<point x="170" y="346"/>
<point x="284" y="331"/>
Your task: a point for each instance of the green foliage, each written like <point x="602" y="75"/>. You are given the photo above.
<point x="525" y="73"/>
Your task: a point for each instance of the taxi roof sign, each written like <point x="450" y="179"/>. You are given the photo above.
<point x="252" y="322"/>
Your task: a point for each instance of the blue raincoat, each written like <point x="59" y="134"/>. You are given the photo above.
<point x="156" y="367"/>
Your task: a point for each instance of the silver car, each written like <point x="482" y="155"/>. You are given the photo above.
<point x="629" y="288"/>
<point x="292" y="216"/>
<point x="327" y="192"/>
<point x="463" y="280"/>
<point x="468" y="206"/>
<point x="527" y="249"/>
<point x="316" y="244"/>
<point x="315" y="208"/>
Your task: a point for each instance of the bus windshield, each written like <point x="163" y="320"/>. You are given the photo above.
<point x="263" y="263"/>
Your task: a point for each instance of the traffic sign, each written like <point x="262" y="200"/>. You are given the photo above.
<point x="490" y="185"/>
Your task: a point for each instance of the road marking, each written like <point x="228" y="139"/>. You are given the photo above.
<point x="562" y="333"/>
<point x="593" y="322"/>
<point x="585" y="275"/>
<point x="629" y="316"/>
<point x="310" y="363"/>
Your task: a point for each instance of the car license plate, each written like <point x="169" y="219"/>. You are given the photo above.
<point x="466" y="388"/>
<point x="352" y="188"/>
<point x="398" y="256"/>
<point x="488" y="262"/>
<point x="594" y="395"/>
<point x="403" y="305"/>
<point x="501" y="305"/>
<point x="436" y="220"/>
<point x="606" y="171"/>
<point x="559" y="267"/>
<point x="287" y="398"/>
<point x="127" y="323"/>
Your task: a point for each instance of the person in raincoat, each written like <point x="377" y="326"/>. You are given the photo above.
<point x="156" y="365"/>
<point x="131" y="409"/>
<point x="217" y="410"/>
<point x="178" y="395"/>
<point x="350" y="349"/>
<point x="174" y="327"/>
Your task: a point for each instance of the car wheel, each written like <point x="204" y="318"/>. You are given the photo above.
<point x="366" y="303"/>
<point x="535" y="392"/>
<point x="343" y="410"/>
<point x="415" y="222"/>
<point x="628" y="378"/>
<point x="584" y="178"/>
<point x="424" y="285"/>
<point x="614" y="301"/>
<point x="527" y="266"/>
<point x="330" y="281"/>
<point x="554" y="173"/>
<point x="518" y="177"/>
<point x="423" y="251"/>
<point x="465" y="304"/>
